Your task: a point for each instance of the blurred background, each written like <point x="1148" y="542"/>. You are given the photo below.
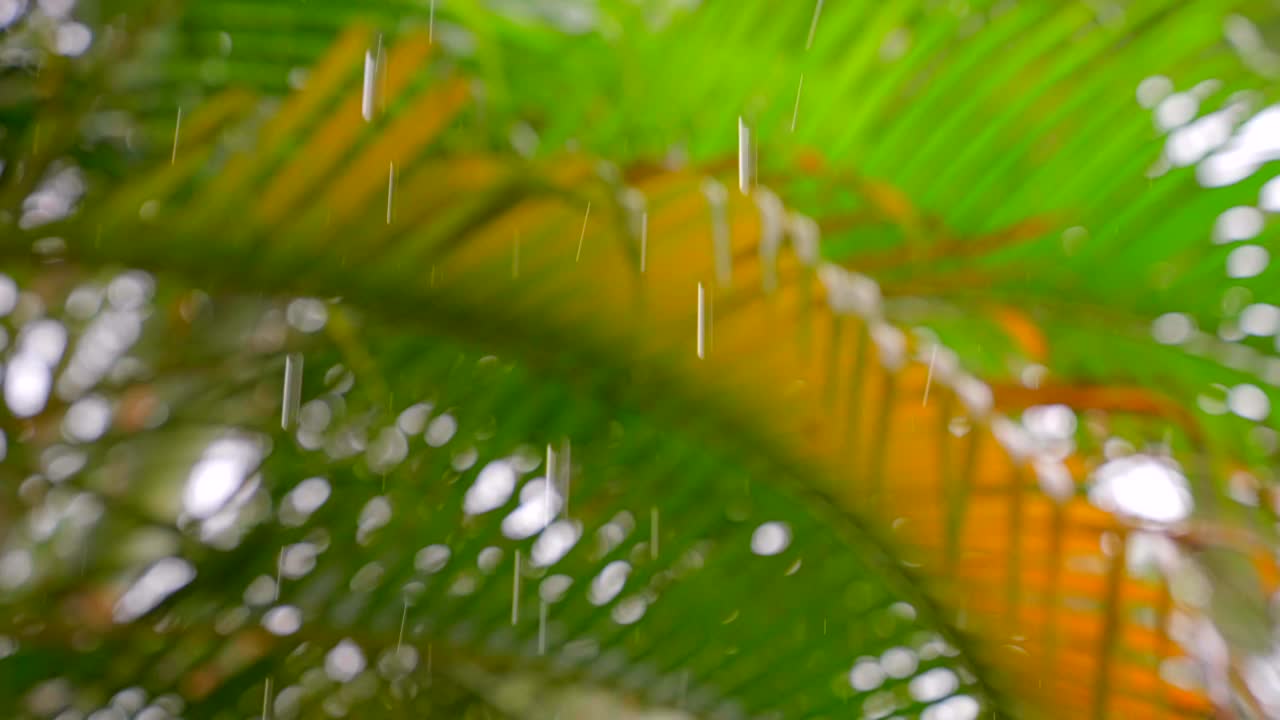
<point x="639" y="359"/>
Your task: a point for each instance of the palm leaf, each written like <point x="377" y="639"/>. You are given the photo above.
<point x="551" y="301"/>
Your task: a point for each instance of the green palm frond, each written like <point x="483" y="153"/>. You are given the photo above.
<point x="586" y="415"/>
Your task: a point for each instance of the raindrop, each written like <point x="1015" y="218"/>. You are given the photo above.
<point x="44" y="339"/>
<point x="1237" y="223"/>
<point x="161" y="580"/>
<point x="1269" y="196"/>
<point x="1247" y="261"/>
<point x="261" y="591"/>
<point x="339" y="379"/>
<point x="130" y="290"/>
<point x="1176" y="110"/>
<point x="555" y="542"/>
<point x="26" y="385"/>
<point x="1050" y="421"/>
<point x="607" y="585"/>
<point x="489" y="558"/>
<point x="464" y="584"/>
<point x="1153" y="89"/>
<point x="956" y="707"/>
<point x="374" y="515"/>
<point x="49" y="696"/>
<point x="975" y="394"/>
<point x="87" y="418"/>
<point x="398" y="662"/>
<point x="554" y="587"/>
<point x="413" y="419"/>
<point x="8" y="295"/>
<point x="1172" y="328"/>
<point x="1073" y="237"/>
<point x="16" y="568"/>
<point x="387" y="450"/>
<point x="899" y="662"/>
<point x="72" y="39"/>
<point x="866" y="675"/>
<point x="11" y="10"/>
<point x="344" y="662"/>
<point x="432" y="558"/>
<point x="1055" y="480"/>
<point x="464" y="459"/>
<point x="441" y="430"/>
<point x="1032" y="375"/>
<point x="367" y="578"/>
<point x="746" y="160"/>
<point x="309" y="495"/>
<point x="1260" y="319"/>
<point x="492" y="489"/>
<point x="1249" y="402"/>
<point x="84" y="302"/>
<point x="315" y="416"/>
<point x="57" y="9"/>
<point x="1142" y="486"/>
<point x="298" y="560"/>
<point x="771" y="538"/>
<point x="282" y="620"/>
<point x="129" y="700"/>
<point x="307" y="315"/>
<point x="891" y="343"/>
<point x="218" y="475"/>
<point x="629" y="610"/>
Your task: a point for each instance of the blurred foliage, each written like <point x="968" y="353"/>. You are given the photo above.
<point x="451" y="359"/>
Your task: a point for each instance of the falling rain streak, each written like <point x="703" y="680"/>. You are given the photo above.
<point x="583" y="236"/>
<point x="813" y="26"/>
<point x="644" y="239"/>
<point x="515" y="257"/>
<point x="515" y="591"/>
<point x="292" y="390"/>
<point x="746" y="159"/>
<point x="551" y="464"/>
<point x="718" y="199"/>
<point x="702" y="322"/>
<point x="404" y="615"/>
<point x="391" y="186"/>
<point x="177" y="126"/>
<point x="928" y="380"/>
<point x="431" y="23"/>
<point x="279" y="570"/>
<point x="546" y="502"/>
<point x="795" y="113"/>
<point x="266" y="699"/>
<point x="370" y="79"/>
